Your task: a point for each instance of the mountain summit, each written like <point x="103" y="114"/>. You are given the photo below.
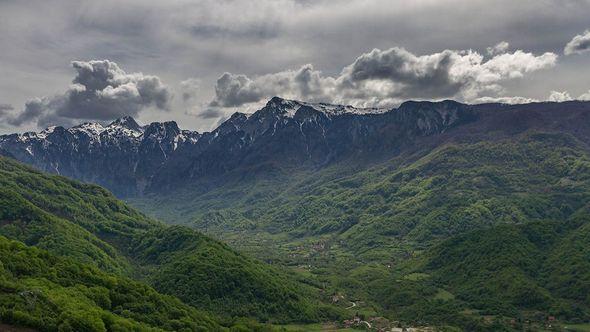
<point x="120" y="156"/>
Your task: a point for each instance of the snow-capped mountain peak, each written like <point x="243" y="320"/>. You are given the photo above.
<point x="131" y="159"/>
<point x="288" y="108"/>
<point x="126" y="122"/>
<point x="88" y="128"/>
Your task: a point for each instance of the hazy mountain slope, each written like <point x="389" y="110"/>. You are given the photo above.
<point x="358" y="230"/>
<point x="414" y="200"/>
<point x="282" y="137"/>
<point x="49" y="293"/>
<point x="88" y="224"/>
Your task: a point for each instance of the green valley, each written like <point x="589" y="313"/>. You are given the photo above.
<point x="366" y="233"/>
<point x="92" y="230"/>
<point x="441" y="216"/>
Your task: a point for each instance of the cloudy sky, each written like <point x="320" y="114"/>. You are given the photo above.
<point x="196" y="62"/>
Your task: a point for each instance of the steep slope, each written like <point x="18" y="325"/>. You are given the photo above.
<point x="288" y="135"/>
<point x="49" y="293"/>
<point x="131" y="160"/>
<point x="88" y="224"/>
<point x="122" y="156"/>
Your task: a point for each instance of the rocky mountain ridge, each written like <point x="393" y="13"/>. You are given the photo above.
<point x="131" y="160"/>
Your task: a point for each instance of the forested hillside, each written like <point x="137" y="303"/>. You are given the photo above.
<point x="490" y="228"/>
<point x="49" y="293"/>
<point x="469" y="216"/>
<point x="86" y="225"/>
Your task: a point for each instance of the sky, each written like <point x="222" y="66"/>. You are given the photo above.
<point x="197" y="62"/>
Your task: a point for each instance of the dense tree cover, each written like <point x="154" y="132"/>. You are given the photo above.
<point x="87" y="224"/>
<point x="421" y="197"/>
<point x="511" y="211"/>
<point x="525" y="272"/>
<point x="513" y="267"/>
<point x="22" y="218"/>
<point x="207" y="274"/>
<point x="49" y="293"/>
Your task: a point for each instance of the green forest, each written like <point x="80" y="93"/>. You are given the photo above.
<point x="500" y="242"/>
<point x="496" y="231"/>
<point x="88" y="258"/>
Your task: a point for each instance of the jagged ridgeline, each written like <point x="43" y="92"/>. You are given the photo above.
<point x="132" y="160"/>
<point x="80" y="246"/>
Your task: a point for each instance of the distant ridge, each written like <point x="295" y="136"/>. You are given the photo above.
<point x="133" y="160"/>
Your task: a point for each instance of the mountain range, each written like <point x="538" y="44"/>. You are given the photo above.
<point x="425" y="214"/>
<point x="131" y="160"/>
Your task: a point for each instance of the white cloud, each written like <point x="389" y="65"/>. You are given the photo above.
<point x="385" y="77"/>
<point x="505" y="100"/>
<point x="501" y="47"/>
<point x="559" y="96"/>
<point x="579" y="44"/>
<point x="189" y="88"/>
<point x="585" y="96"/>
<point x="554" y="96"/>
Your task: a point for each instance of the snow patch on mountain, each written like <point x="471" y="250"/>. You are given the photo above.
<point x="289" y="108"/>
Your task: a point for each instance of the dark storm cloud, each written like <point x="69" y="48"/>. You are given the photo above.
<point x="380" y="78"/>
<point x="416" y="76"/>
<point x="210" y="113"/>
<point x="103" y="91"/>
<point x="100" y="91"/>
<point x="579" y="44"/>
<point x="305" y="83"/>
<point x="33" y="110"/>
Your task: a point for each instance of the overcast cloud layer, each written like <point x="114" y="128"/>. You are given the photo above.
<point x="198" y="61"/>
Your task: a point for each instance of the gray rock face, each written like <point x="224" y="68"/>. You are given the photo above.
<point x="122" y="156"/>
<point x="130" y="159"/>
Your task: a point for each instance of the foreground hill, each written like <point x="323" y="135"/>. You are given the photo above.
<point x="49" y="293"/>
<point x="413" y="199"/>
<point x="89" y="226"/>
